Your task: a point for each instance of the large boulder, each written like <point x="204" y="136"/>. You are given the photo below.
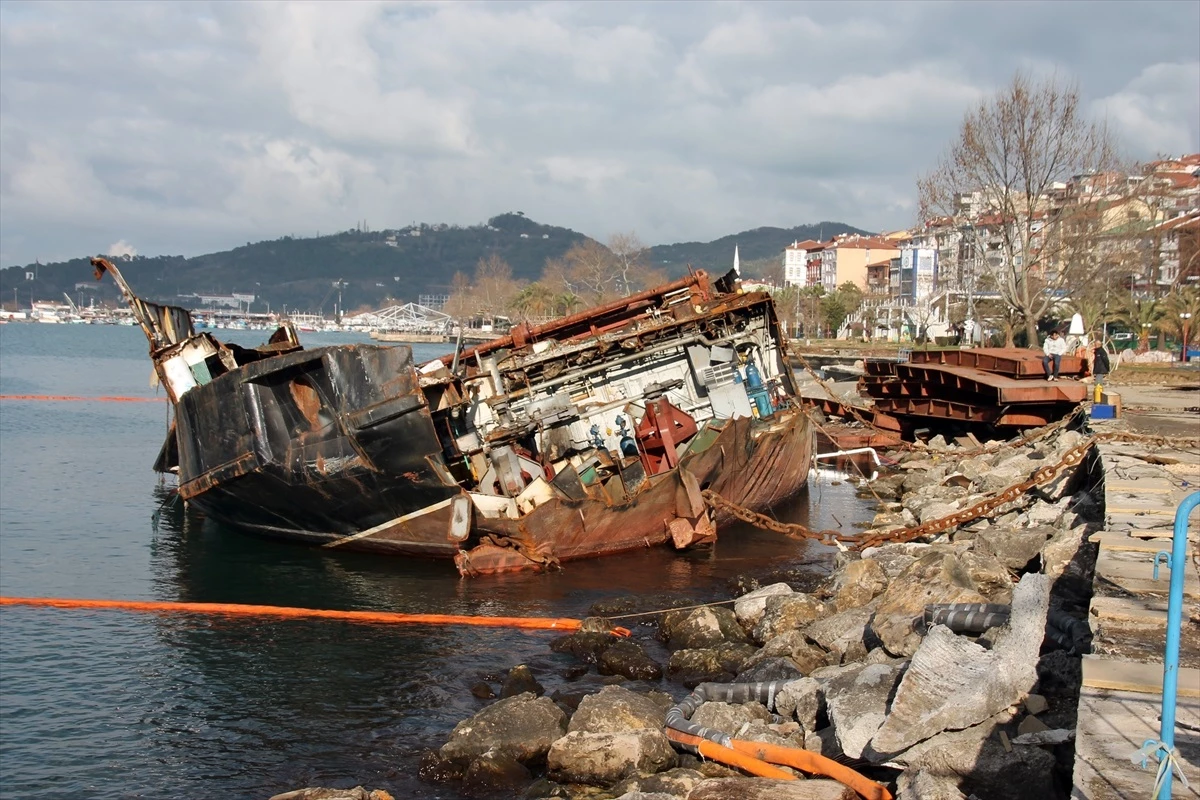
<point x="586" y="647"/>
<point x="770" y="669"/>
<point x="615" y="709"/>
<point x="787" y="612"/>
<point x="1014" y="547"/>
<point x="936" y="577"/>
<point x="709" y="664"/>
<point x="918" y="785"/>
<point x="673" y="783"/>
<point x="628" y="658"/>
<point x="493" y="772"/>
<point x="793" y="645"/>
<point x="764" y="789"/>
<point x="707" y="627"/>
<point x="928" y="512"/>
<point x="920" y="478"/>
<point x="520" y="680"/>
<point x="857" y="583"/>
<point x="842" y="636"/>
<point x="991" y="578"/>
<point x="896" y="557"/>
<point x="729" y="717"/>
<point x="987" y="771"/>
<point x="522" y="727"/>
<point x="856" y="698"/>
<point x="602" y="759"/>
<point x="801" y="700"/>
<point x="749" y="607"/>
<point x="1064" y="555"/>
<point x="953" y="683"/>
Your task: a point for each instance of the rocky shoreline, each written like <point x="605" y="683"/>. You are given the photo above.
<point x="975" y="697"/>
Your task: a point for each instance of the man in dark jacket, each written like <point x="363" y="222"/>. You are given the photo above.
<point x="1100" y="363"/>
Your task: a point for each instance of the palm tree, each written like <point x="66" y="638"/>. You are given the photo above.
<point x="534" y="301"/>
<point x="1094" y="309"/>
<point x="1143" y="315"/>
<point x="567" y="302"/>
<point x="1182" y="300"/>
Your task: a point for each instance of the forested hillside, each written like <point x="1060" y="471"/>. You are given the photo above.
<point x="371" y="268"/>
<point x="760" y="244"/>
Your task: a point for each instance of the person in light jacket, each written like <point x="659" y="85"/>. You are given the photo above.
<point x="1054" y="349"/>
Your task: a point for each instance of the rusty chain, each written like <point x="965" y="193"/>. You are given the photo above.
<point x="985" y="507"/>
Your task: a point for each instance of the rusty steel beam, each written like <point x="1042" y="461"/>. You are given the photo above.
<point x="937" y="407"/>
<point x="1026" y="416"/>
<point x="998" y="388"/>
<point x="1011" y="361"/>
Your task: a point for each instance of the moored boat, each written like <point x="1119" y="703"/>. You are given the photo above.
<point x="593" y="434"/>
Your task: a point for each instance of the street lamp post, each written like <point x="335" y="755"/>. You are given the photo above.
<point x="1145" y="337"/>
<point x="1186" y="317"/>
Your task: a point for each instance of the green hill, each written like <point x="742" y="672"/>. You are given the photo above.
<point x="373" y="268"/>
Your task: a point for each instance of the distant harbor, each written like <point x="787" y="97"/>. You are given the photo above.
<point x="411" y="323"/>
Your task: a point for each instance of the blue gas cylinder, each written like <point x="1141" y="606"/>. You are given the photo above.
<point x="753" y="378"/>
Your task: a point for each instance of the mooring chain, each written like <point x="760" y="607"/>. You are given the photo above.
<point x="793" y="529"/>
<point x="983" y="508"/>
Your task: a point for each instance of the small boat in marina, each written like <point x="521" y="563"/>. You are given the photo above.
<point x="592" y="434"/>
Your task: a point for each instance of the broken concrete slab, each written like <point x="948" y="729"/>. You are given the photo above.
<point x="856" y="698"/>
<point x="953" y="683"/>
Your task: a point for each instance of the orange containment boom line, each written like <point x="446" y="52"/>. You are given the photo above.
<point x="753" y="757"/>
<point x="725" y="755"/>
<point x="284" y="612"/>
<point x="814" y="763"/>
<point x="71" y="398"/>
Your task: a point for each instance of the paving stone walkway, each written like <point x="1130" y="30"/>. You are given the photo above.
<point x="1121" y="696"/>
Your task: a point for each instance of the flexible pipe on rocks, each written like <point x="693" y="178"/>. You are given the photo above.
<point x="969" y="618"/>
<point x="975" y="618"/>
<point x="755" y="757"/>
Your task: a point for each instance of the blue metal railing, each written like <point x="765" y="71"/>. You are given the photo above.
<point x="1166" y="744"/>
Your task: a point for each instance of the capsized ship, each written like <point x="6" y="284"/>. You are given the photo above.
<point x="593" y="434"/>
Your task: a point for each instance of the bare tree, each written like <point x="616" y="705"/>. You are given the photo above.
<point x="629" y="262"/>
<point x="494" y="285"/>
<point x="1012" y="182"/>
<point x="460" y="304"/>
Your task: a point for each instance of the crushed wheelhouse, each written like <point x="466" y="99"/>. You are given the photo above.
<point x="589" y="435"/>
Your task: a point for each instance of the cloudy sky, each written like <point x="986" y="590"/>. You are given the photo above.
<point x="190" y="127"/>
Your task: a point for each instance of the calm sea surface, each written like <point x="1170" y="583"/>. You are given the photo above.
<point x="110" y="704"/>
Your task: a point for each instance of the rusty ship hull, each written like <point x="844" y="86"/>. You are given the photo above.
<point x="594" y="434"/>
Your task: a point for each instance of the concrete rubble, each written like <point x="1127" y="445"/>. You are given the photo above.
<point x="929" y="713"/>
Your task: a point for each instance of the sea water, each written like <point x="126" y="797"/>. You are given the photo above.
<point x="113" y="704"/>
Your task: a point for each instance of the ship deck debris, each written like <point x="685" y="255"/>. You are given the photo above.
<point x="588" y="435"/>
<point x="994" y="387"/>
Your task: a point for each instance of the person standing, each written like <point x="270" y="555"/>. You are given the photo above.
<point x="1100" y="363"/>
<point x="1054" y="349"/>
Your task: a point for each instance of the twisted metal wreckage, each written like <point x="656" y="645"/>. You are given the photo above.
<point x="596" y="433"/>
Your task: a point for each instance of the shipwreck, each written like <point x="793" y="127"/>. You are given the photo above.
<point x="593" y="434"/>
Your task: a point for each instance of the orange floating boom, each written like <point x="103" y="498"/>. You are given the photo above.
<point x="814" y="763"/>
<point x="284" y="612"/>
<point x="71" y="398"/>
<point x="757" y="759"/>
<point x="725" y="755"/>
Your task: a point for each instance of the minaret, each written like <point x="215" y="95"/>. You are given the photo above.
<point x="737" y="266"/>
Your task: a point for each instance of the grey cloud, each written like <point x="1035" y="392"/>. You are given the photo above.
<point x="185" y="127"/>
